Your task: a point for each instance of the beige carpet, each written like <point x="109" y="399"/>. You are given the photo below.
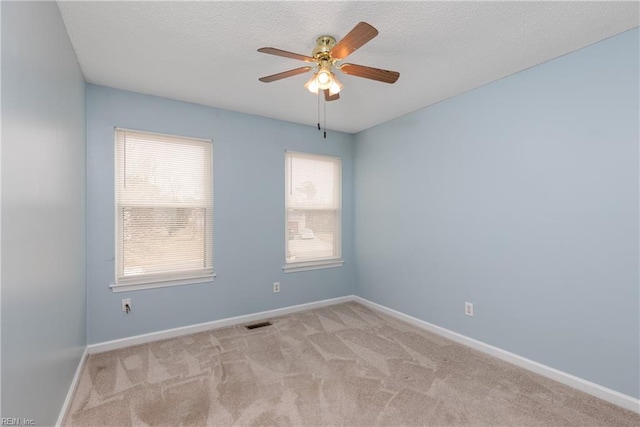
<point x="340" y="365"/>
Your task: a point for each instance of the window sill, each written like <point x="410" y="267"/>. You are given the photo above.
<point x="312" y="265"/>
<point x="127" y="287"/>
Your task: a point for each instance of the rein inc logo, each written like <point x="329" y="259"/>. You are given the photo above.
<point x="5" y="421"/>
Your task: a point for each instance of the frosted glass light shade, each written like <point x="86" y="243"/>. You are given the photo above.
<point x="311" y="85"/>
<point x="336" y="86"/>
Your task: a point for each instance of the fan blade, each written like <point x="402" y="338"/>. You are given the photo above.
<point x="357" y="37"/>
<point x="328" y="97"/>
<point x="280" y="52"/>
<point x="285" y="74"/>
<point x="378" y="74"/>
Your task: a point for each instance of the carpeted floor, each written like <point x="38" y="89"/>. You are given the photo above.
<point x="343" y="365"/>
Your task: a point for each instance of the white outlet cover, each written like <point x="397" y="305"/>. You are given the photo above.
<point x="468" y="309"/>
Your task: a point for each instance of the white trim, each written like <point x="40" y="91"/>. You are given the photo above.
<point x="604" y="393"/>
<point x="72" y="388"/>
<point x="230" y="321"/>
<point x="125" y="287"/>
<point x="311" y="155"/>
<point x="165" y="135"/>
<point x="312" y="265"/>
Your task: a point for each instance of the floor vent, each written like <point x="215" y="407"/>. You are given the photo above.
<point x="258" y="325"/>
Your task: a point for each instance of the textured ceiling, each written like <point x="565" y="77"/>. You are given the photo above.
<point x="205" y="52"/>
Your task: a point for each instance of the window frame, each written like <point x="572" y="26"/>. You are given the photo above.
<point x="168" y="279"/>
<point x="324" y="262"/>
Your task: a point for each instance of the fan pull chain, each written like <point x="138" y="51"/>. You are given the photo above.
<point x="325" y="118"/>
<point x="318" y="110"/>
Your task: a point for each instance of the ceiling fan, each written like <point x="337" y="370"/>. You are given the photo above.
<point x="325" y="56"/>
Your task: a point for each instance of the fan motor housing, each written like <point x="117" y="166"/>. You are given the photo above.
<point x="324" y="44"/>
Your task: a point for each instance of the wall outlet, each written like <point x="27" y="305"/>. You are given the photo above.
<point x="276" y="287"/>
<point x="468" y="309"/>
<point x="126" y="305"/>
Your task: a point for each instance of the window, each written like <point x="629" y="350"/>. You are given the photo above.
<point x="164" y="210"/>
<point x="313" y="211"/>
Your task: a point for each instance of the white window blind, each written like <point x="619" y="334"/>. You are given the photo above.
<point x="313" y="208"/>
<point x="164" y="208"/>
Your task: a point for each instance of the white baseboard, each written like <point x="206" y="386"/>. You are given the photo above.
<point x="222" y="323"/>
<point x="604" y="393"/>
<point x="72" y="388"/>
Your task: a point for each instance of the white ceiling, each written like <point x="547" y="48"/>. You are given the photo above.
<point x="205" y="52"/>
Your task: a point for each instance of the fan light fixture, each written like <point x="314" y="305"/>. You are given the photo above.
<point x="324" y="79"/>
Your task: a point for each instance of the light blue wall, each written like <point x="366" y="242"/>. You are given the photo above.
<point x="43" y="211"/>
<point x="248" y="215"/>
<point x="521" y="197"/>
